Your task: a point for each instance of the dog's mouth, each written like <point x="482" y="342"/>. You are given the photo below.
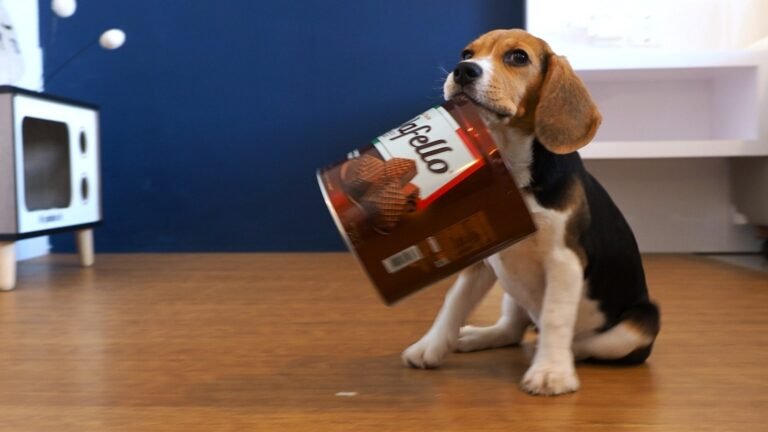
<point x="466" y="96"/>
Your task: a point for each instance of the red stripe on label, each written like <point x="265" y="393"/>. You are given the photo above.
<point x="468" y="143"/>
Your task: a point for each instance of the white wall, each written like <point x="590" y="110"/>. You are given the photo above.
<point x="674" y="25"/>
<point x="24" y="14"/>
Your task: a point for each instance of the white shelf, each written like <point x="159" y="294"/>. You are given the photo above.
<point x="676" y="104"/>
<point x="589" y="60"/>
<point x="672" y="149"/>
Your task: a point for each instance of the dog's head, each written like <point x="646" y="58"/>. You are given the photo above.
<point x="521" y="83"/>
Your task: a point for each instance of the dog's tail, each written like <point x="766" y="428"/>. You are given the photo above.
<point x="628" y="342"/>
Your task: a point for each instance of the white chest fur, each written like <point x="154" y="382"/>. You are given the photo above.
<point x="523" y="268"/>
<point x="516" y="149"/>
<point x="520" y="268"/>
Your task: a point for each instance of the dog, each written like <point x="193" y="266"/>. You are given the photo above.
<point x="579" y="279"/>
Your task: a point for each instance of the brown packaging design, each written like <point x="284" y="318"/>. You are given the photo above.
<point x="425" y="200"/>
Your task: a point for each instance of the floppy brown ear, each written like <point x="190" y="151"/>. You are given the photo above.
<point x="566" y="117"/>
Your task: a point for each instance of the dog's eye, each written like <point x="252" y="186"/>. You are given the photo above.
<point x="466" y="54"/>
<point x="516" y="57"/>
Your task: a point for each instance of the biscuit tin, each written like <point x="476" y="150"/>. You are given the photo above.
<point x="425" y="200"/>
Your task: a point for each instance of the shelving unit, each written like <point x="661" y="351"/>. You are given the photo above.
<point x="683" y="89"/>
<point x="673" y="105"/>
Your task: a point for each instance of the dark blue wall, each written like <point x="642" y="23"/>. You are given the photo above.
<point x="216" y="113"/>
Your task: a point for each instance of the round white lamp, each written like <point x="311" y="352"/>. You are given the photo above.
<point x="64" y="8"/>
<point x="112" y="39"/>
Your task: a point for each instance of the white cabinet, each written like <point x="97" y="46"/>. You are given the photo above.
<point x="24" y="15"/>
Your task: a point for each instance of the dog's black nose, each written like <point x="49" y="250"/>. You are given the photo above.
<point x="466" y="72"/>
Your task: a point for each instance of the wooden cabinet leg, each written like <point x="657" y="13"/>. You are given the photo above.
<point x="85" y="246"/>
<point x="7" y="266"/>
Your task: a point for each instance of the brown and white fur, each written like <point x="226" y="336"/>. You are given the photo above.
<point x="579" y="279"/>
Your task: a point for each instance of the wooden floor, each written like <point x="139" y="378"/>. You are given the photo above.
<point x="265" y="342"/>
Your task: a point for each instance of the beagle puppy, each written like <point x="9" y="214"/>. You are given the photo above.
<point x="579" y="279"/>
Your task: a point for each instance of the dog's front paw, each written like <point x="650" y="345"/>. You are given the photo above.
<point x="428" y="353"/>
<point x="550" y="379"/>
<point x="473" y="338"/>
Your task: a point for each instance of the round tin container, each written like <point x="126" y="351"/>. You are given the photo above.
<point x="425" y="200"/>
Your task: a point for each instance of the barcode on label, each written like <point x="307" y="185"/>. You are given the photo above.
<point x="402" y="259"/>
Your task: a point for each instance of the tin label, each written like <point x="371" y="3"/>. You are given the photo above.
<point x="435" y="142"/>
<point x="402" y="259"/>
<point x="463" y="238"/>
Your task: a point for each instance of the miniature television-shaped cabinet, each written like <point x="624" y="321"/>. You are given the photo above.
<point x="49" y="172"/>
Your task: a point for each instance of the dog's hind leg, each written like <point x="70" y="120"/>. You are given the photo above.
<point x="508" y="330"/>
<point x="628" y="342"/>
<point x="471" y="286"/>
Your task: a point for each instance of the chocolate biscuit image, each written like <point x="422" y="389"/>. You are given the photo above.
<point x="400" y="169"/>
<point x="412" y="197"/>
<point x="384" y="204"/>
<point x="357" y="175"/>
